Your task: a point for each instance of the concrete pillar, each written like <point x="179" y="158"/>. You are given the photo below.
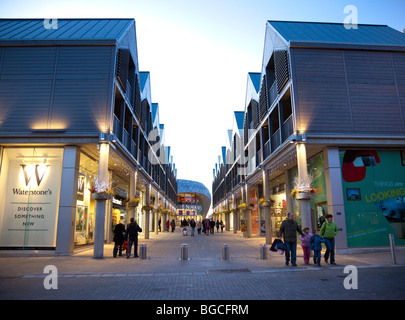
<point x="67" y="201"/>
<point x="101" y="204"/>
<point x="147" y="213"/>
<point x="132" y="194"/>
<point x="267" y="216"/>
<point x="305" y="211"/>
<point x="334" y="191"/>
<point x="235" y="220"/>
<point x="248" y="214"/>
<point x="156" y="216"/>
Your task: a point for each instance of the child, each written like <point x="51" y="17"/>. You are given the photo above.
<point x="315" y="244"/>
<point x="305" y="244"/>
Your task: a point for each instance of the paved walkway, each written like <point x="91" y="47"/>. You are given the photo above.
<point x="163" y="276"/>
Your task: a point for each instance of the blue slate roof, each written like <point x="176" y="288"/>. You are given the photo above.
<point x="68" y="29"/>
<point x="366" y="34"/>
<point x="255" y="78"/>
<point x="239" y="116"/>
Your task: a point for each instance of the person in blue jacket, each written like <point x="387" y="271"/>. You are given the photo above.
<point x="315" y="243"/>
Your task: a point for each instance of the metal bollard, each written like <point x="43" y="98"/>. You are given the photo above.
<point x="392" y="245"/>
<point x="184" y="252"/>
<point x="225" y="252"/>
<point x="142" y="251"/>
<point x="263" y="251"/>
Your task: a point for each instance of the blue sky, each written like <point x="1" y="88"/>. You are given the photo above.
<point x="199" y="54"/>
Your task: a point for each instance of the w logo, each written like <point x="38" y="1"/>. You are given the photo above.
<point x="29" y="170"/>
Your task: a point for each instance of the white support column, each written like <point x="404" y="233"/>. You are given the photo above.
<point x="147" y="213"/>
<point x="267" y="216"/>
<point x="248" y="214"/>
<point x="67" y="202"/>
<point x="303" y="175"/>
<point x="334" y="191"/>
<point x="101" y="203"/>
<point x="132" y="194"/>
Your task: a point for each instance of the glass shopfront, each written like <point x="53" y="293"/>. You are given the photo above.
<point x="29" y="202"/>
<point x="120" y="195"/>
<point x="319" y="204"/>
<point x="85" y="206"/>
<point x="278" y="211"/>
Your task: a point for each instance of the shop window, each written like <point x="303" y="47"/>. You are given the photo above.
<point x="29" y="202"/>
<point x="85" y="206"/>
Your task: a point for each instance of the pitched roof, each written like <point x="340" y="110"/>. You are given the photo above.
<point x="365" y="34"/>
<point x="67" y="29"/>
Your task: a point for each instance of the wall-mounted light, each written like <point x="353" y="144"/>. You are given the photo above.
<point x="298" y="137"/>
<point x="107" y="137"/>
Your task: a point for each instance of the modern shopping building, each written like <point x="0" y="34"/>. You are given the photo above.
<point x="323" y="132"/>
<point x="193" y="200"/>
<point x="81" y="146"/>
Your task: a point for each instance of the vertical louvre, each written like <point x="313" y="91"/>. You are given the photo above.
<point x="282" y="69"/>
<point x="263" y="99"/>
<point x="144" y="113"/>
<point x="137" y="98"/>
<point x="245" y="130"/>
<point x="122" y="68"/>
<point x="255" y="113"/>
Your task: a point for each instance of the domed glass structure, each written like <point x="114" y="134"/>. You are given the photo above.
<point x="193" y="199"/>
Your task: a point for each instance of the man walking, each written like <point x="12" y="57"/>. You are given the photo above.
<point x="132" y="233"/>
<point x="289" y="228"/>
<point x="192" y="225"/>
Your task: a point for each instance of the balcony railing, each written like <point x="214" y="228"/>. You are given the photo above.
<point x="266" y="150"/>
<point x="126" y="140"/>
<point x="275" y="140"/>
<point x="272" y="93"/>
<point x="287" y="128"/>
<point x="117" y="128"/>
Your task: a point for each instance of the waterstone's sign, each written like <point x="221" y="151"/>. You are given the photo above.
<point x="29" y="207"/>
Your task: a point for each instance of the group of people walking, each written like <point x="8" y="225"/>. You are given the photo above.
<point x="327" y="234"/>
<point x="206" y="226"/>
<point x="125" y="238"/>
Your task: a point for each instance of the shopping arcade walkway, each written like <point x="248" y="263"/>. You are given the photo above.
<point x="205" y="276"/>
<point x="163" y="253"/>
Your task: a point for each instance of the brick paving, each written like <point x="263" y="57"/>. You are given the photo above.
<point x="204" y="276"/>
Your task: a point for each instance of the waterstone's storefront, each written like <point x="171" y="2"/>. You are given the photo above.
<point x="31" y="198"/>
<point x="30" y="181"/>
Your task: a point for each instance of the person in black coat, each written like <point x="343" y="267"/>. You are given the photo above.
<point x="132" y="234"/>
<point x="119" y="237"/>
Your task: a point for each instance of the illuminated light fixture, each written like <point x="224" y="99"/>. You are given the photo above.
<point x="297" y="137"/>
<point x="107" y="137"/>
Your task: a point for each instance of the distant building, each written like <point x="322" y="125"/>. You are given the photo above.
<point x="328" y="104"/>
<point x="193" y="200"/>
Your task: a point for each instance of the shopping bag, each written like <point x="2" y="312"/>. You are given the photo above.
<point x="125" y="245"/>
<point x="281" y="245"/>
<point x="274" y="245"/>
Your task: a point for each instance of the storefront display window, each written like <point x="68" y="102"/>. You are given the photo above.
<point x="86" y="206"/>
<point x="29" y="202"/>
<point x="319" y="205"/>
<point x="278" y="211"/>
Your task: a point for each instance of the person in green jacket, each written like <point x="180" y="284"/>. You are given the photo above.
<point x="329" y="231"/>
